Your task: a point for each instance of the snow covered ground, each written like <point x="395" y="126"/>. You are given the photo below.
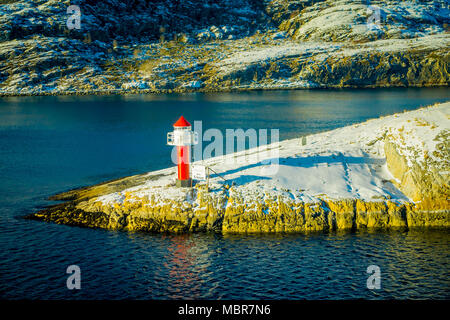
<point x="346" y="163"/>
<point x="324" y="50"/>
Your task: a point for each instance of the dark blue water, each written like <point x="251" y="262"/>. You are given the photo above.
<point x="52" y="144"/>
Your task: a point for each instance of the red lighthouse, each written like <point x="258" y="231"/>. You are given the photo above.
<point x="182" y="137"/>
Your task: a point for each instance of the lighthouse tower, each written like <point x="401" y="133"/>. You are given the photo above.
<point x="182" y="137"/>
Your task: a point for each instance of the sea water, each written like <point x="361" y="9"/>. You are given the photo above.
<point x="54" y="144"/>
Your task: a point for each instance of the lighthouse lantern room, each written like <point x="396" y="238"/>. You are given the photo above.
<point x="182" y="137"/>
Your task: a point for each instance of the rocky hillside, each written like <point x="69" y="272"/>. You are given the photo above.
<point x="208" y="45"/>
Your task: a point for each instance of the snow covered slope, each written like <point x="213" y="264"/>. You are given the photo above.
<point x="346" y="163"/>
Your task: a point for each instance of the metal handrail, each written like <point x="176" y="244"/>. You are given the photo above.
<point x="209" y="168"/>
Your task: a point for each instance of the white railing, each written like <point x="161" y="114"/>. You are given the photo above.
<point x="182" y="138"/>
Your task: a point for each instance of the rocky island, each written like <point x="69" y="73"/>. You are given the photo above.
<point x="390" y="172"/>
<point x="210" y="45"/>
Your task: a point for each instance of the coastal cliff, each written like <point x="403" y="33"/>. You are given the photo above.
<point x="208" y="45"/>
<point x="390" y="172"/>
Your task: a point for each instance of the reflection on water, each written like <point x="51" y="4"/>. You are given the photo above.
<point x="118" y="265"/>
<point x="51" y="144"/>
<point x="184" y="260"/>
<point x="295" y="266"/>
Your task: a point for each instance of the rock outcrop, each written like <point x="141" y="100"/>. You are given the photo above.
<point x="237" y="217"/>
<point x="425" y="182"/>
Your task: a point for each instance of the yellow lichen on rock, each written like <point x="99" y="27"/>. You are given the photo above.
<point x="234" y="216"/>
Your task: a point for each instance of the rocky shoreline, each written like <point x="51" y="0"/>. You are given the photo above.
<point x="349" y="215"/>
<point x="123" y="92"/>
<point x="411" y="148"/>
